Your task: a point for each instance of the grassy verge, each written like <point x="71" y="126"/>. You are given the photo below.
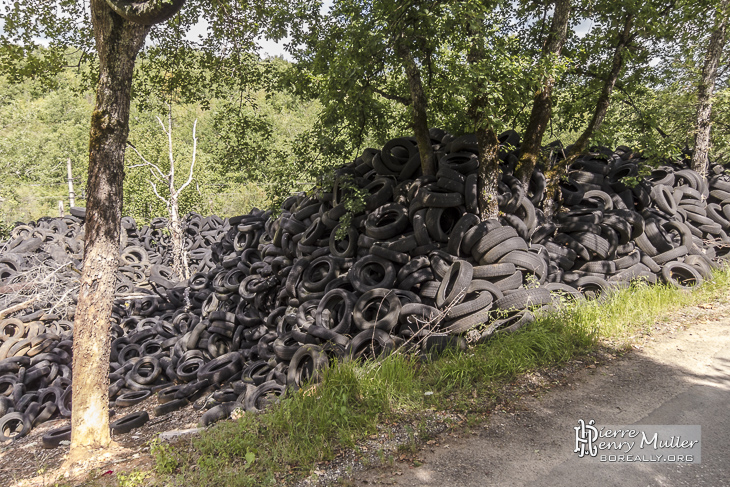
<point x="287" y="441"/>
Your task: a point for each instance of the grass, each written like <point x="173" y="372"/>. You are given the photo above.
<point x="308" y="427"/>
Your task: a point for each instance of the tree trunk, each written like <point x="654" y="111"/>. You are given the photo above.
<point x="118" y="42"/>
<point x="604" y="100"/>
<point x="542" y="102"/>
<point x="420" y="108"/>
<point x="700" y="162"/>
<point x="179" y="256"/>
<point x="489" y="175"/>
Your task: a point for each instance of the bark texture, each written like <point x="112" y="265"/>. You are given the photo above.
<point x="604" y="99"/>
<point x="117" y="41"/>
<point x="179" y="255"/>
<point x="542" y="102"/>
<point x="489" y="175"/>
<point x="718" y="37"/>
<point x="419" y="106"/>
<point x="599" y="114"/>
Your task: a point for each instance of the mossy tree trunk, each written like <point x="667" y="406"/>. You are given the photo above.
<point x="542" y="102"/>
<point x="419" y="106"/>
<point x="599" y="114"/>
<point x="700" y="162"/>
<point x="489" y="174"/>
<point x="117" y="41"/>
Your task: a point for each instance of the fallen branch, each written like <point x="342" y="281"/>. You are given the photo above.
<point x="17" y="307"/>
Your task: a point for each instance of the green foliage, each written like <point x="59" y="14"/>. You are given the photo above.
<point x="166" y="459"/>
<point x="135" y="478"/>
<point x="352" y="197"/>
<point x="41" y="128"/>
<point x="246" y="157"/>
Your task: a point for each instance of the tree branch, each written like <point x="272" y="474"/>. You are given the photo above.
<point x="149" y="164"/>
<point x="154" y="188"/>
<point x="192" y="164"/>
<point x="169" y="147"/>
<point x="388" y="96"/>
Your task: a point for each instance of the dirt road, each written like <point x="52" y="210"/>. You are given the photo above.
<point x="681" y="378"/>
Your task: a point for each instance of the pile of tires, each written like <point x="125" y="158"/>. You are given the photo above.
<point x="274" y="299"/>
<point x="145" y="252"/>
<point x="35" y="372"/>
<point x="668" y="227"/>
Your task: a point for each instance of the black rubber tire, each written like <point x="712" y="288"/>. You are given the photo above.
<point x="523" y="299"/>
<point x="455" y="283"/>
<point x="680" y="275"/>
<point x="513" y="323"/>
<point x="131" y="398"/>
<point x="53" y="438"/>
<point x="192" y="390"/>
<point x="423" y="315"/>
<point x="416" y="278"/>
<point x="414" y="265"/>
<point x="387" y="221"/>
<point x="169" y="407"/>
<point x="285" y="347"/>
<point x="306" y="366"/>
<point x="218" y="413"/>
<point x="632" y="258"/>
<point x="258" y="399"/>
<point x="465" y="223"/>
<point x="440" y="222"/>
<point x="509" y="283"/>
<point x="372" y="272"/>
<point x="492" y="239"/>
<point x="22" y="425"/>
<point x="529" y="262"/>
<point x="168" y="394"/>
<point x="592" y="286"/>
<point x="156" y="371"/>
<point x="701" y="263"/>
<point x="504" y="248"/>
<point x="594" y="243"/>
<point x="374" y="343"/>
<point x="64" y="403"/>
<point x="319" y="272"/>
<point x="368" y="313"/>
<point x="562" y="290"/>
<point x="388" y="254"/>
<point x="467" y="322"/>
<point x="187" y="370"/>
<point x="129" y="422"/>
<point x="431" y="196"/>
<point x="221" y="368"/>
<point x="674" y="254"/>
<point x="350" y="243"/>
<point x="340" y="304"/>
<point x="493" y="270"/>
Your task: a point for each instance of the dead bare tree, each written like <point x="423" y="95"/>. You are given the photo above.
<point x="174" y="225"/>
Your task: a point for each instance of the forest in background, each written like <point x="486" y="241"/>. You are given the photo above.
<point x="289" y="122"/>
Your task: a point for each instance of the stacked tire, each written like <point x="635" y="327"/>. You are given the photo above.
<point x="273" y="300"/>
